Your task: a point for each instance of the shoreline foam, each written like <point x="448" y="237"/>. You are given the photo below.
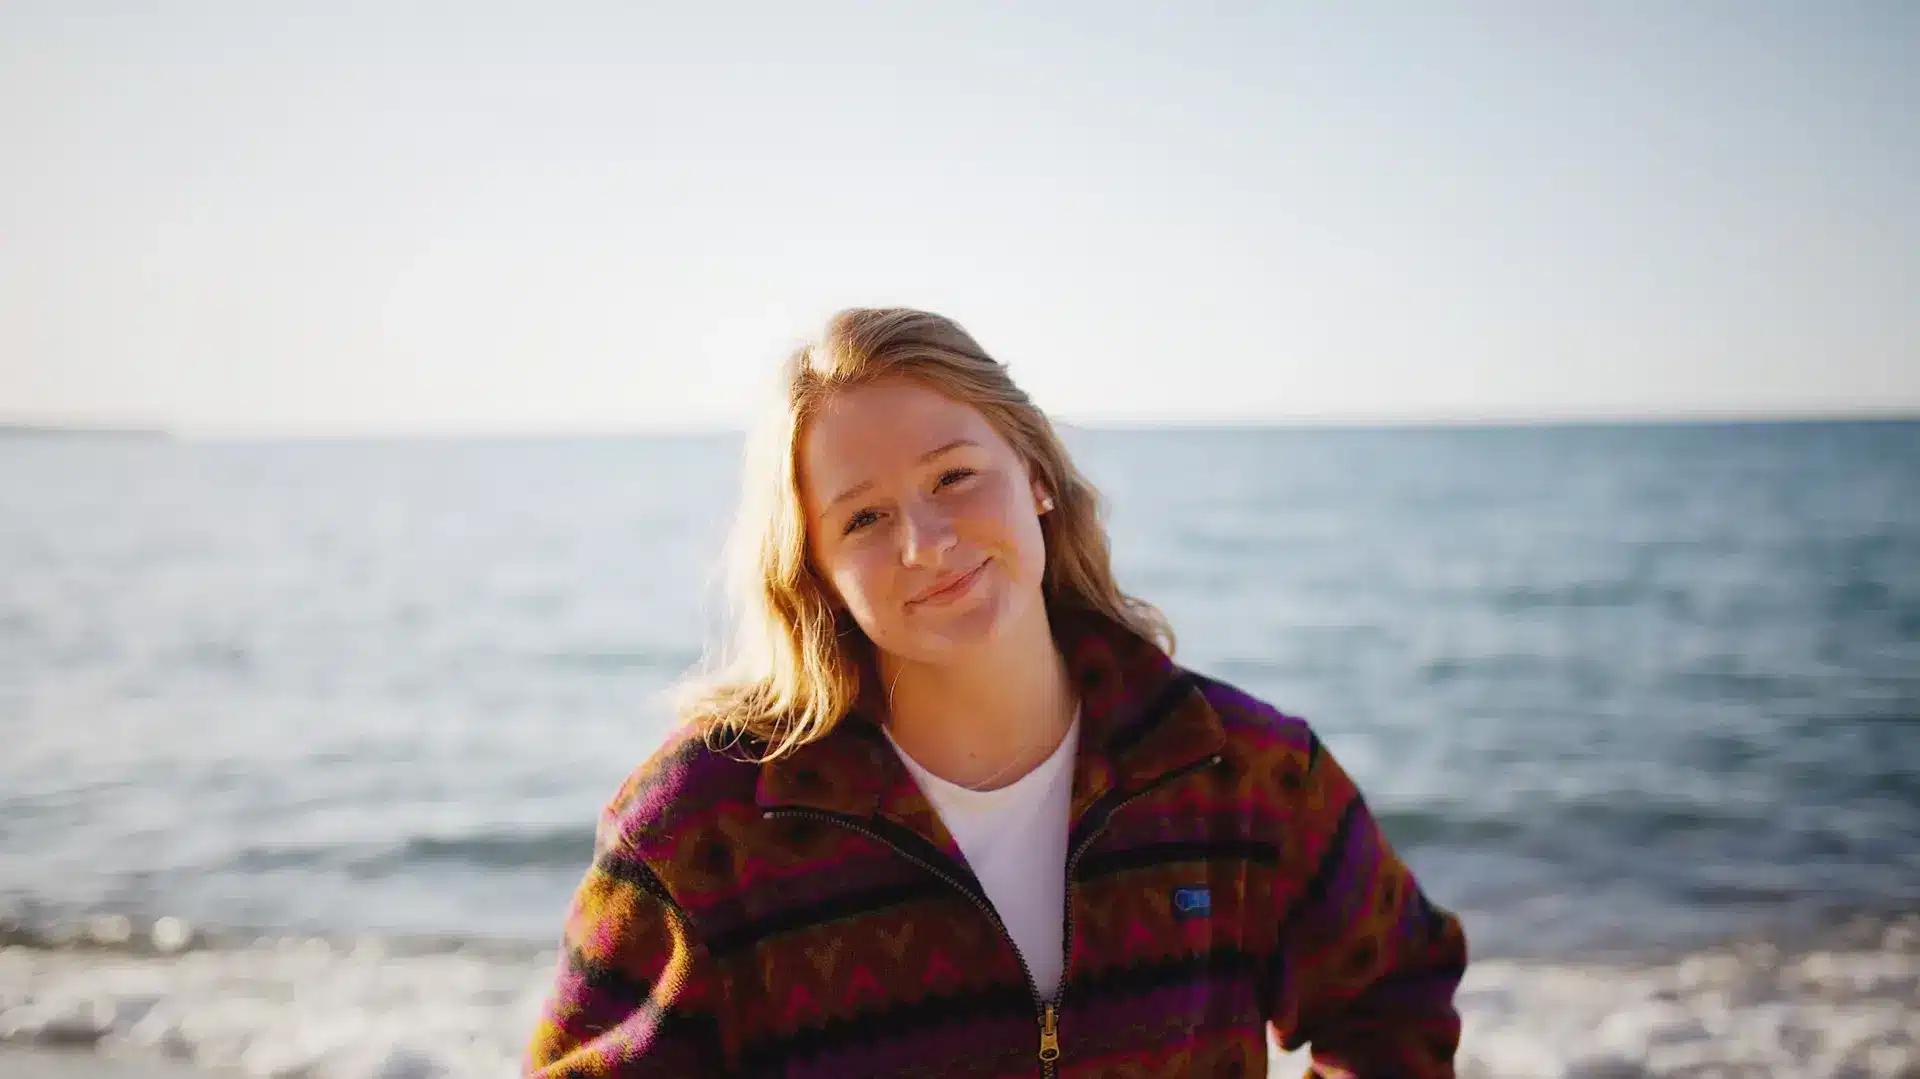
<point x="1846" y="1004"/>
<point x="22" y="1063"/>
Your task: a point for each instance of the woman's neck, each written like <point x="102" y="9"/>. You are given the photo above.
<point x="990" y="719"/>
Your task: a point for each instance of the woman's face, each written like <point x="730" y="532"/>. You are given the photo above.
<point x="921" y="518"/>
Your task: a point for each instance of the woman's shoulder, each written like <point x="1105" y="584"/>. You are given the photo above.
<point x="1251" y="723"/>
<point x="687" y="783"/>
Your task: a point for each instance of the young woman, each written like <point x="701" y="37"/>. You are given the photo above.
<point x="952" y="810"/>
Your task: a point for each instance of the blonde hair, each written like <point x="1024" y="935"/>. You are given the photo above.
<point x="795" y="665"/>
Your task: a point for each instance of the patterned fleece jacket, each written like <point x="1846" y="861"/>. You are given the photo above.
<point x="812" y="918"/>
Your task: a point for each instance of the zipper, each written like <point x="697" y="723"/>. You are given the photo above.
<point x="1049" y="1011"/>
<point x="1049" y="1035"/>
<point x="1073" y="860"/>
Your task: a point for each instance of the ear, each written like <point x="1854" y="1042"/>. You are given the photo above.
<point x="1042" y="501"/>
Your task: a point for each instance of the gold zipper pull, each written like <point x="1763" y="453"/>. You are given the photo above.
<point x="1049" y="1038"/>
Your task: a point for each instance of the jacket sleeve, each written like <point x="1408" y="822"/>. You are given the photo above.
<point x="1367" y="966"/>
<point x="634" y="991"/>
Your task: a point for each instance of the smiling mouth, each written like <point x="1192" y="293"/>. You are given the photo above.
<point x="952" y="588"/>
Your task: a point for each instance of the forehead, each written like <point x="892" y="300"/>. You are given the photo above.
<point x="862" y="434"/>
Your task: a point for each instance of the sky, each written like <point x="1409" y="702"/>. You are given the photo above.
<point x="398" y="219"/>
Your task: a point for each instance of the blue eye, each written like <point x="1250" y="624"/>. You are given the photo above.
<point x="953" y="476"/>
<point x="860" y="520"/>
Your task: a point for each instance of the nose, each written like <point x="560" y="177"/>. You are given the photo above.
<point x="927" y="537"/>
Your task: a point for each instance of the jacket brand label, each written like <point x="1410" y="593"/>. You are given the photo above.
<point x="1192" y="903"/>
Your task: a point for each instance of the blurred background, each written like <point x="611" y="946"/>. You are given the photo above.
<point x="1527" y="395"/>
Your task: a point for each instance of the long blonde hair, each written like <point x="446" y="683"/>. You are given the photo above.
<point x="795" y="664"/>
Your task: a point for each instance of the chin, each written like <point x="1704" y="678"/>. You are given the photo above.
<point x="949" y="635"/>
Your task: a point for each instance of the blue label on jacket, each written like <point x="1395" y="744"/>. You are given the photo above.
<point x="1192" y="902"/>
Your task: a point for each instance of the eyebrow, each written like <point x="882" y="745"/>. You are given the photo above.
<point x="862" y="488"/>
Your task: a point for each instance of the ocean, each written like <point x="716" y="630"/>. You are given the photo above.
<point x="1641" y="702"/>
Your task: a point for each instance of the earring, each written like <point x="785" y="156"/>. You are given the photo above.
<point x="1046" y="504"/>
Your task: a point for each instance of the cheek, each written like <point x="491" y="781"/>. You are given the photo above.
<point x="1006" y="525"/>
<point x="862" y="575"/>
<point x="994" y="511"/>
<point x="1033" y="548"/>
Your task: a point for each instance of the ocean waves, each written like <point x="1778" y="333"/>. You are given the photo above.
<point x="564" y="847"/>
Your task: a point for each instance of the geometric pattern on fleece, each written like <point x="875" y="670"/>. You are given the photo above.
<point x="812" y="918"/>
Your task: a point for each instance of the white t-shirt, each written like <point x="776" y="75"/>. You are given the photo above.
<point x="1015" y="841"/>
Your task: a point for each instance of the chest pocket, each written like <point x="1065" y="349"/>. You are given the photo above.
<point x="1161" y="932"/>
<point x="1161" y="885"/>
